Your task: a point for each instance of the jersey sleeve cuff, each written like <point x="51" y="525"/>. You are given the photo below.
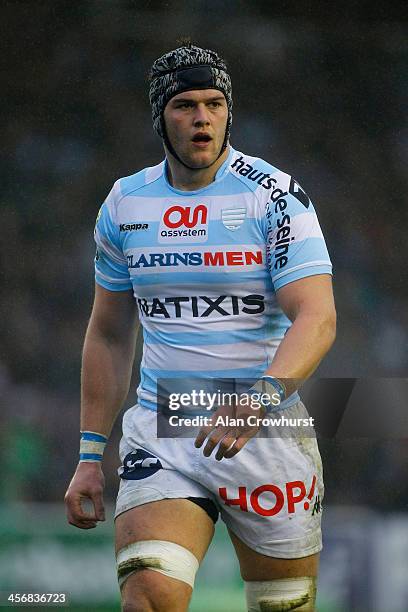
<point x="118" y="286"/>
<point x="293" y="275"/>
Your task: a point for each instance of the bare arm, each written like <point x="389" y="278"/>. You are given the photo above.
<point x="108" y="355"/>
<point x="309" y="304"/>
<point x="106" y="370"/>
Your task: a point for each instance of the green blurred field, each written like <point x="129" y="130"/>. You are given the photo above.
<point x="40" y="552"/>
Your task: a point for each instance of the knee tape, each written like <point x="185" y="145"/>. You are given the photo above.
<point x="164" y="557"/>
<point x="281" y="595"/>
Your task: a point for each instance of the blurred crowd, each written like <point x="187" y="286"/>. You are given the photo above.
<point x="324" y="103"/>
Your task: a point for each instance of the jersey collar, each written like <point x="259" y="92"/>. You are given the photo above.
<point x="221" y="172"/>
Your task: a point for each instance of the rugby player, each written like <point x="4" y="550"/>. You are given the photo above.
<point x="221" y="257"/>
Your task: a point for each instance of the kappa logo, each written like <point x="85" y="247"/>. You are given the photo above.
<point x="185" y="223"/>
<point x="233" y="218"/>
<point x="133" y="227"/>
<point x="140" y="464"/>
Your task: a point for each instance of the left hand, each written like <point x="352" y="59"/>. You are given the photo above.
<point x="230" y="439"/>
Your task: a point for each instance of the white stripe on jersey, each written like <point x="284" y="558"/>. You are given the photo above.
<point x="310" y="264"/>
<point x="108" y="248"/>
<point x="111" y="279"/>
<point x="202" y="357"/>
<point x="134" y="204"/>
<point x="303" y="226"/>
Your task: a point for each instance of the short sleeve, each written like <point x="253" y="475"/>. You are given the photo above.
<point x="294" y="240"/>
<point x="111" y="270"/>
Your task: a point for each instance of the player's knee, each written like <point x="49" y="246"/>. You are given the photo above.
<point x="281" y="595"/>
<point x="144" y="570"/>
<point x="140" y="605"/>
<point x="148" y="591"/>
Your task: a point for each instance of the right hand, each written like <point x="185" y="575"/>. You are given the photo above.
<point x="87" y="483"/>
<point x="230" y="439"/>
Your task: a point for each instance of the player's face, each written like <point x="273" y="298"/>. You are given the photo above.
<point x="195" y="124"/>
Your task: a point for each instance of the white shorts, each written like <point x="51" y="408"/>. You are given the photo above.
<point x="269" y="494"/>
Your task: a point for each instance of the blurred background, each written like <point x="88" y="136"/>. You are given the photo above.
<point x="324" y="100"/>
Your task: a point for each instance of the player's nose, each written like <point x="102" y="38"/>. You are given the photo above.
<point x="201" y="115"/>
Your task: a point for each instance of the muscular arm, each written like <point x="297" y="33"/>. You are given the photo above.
<point x="106" y="369"/>
<point x="309" y="304"/>
<point x="107" y="359"/>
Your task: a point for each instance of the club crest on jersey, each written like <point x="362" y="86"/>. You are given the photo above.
<point x="233" y="218"/>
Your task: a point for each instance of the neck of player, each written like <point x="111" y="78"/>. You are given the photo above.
<point x="187" y="179"/>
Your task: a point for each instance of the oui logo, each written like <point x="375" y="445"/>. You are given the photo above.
<point x="184" y="224"/>
<point x="177" y="216"/>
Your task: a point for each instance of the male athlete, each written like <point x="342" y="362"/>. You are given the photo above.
<point x="222" y="257"/>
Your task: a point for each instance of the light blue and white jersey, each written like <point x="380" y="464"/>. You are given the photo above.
<point x="204" y="266"/>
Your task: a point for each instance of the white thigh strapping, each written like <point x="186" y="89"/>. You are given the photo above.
<point x="281" y="595"/>
<point x="164" y="557"/>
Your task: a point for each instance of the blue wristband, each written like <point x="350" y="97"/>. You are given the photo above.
<point x="278" y="384"/>
<point x="92" y="446"/>
<point x="260" y="389"/>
